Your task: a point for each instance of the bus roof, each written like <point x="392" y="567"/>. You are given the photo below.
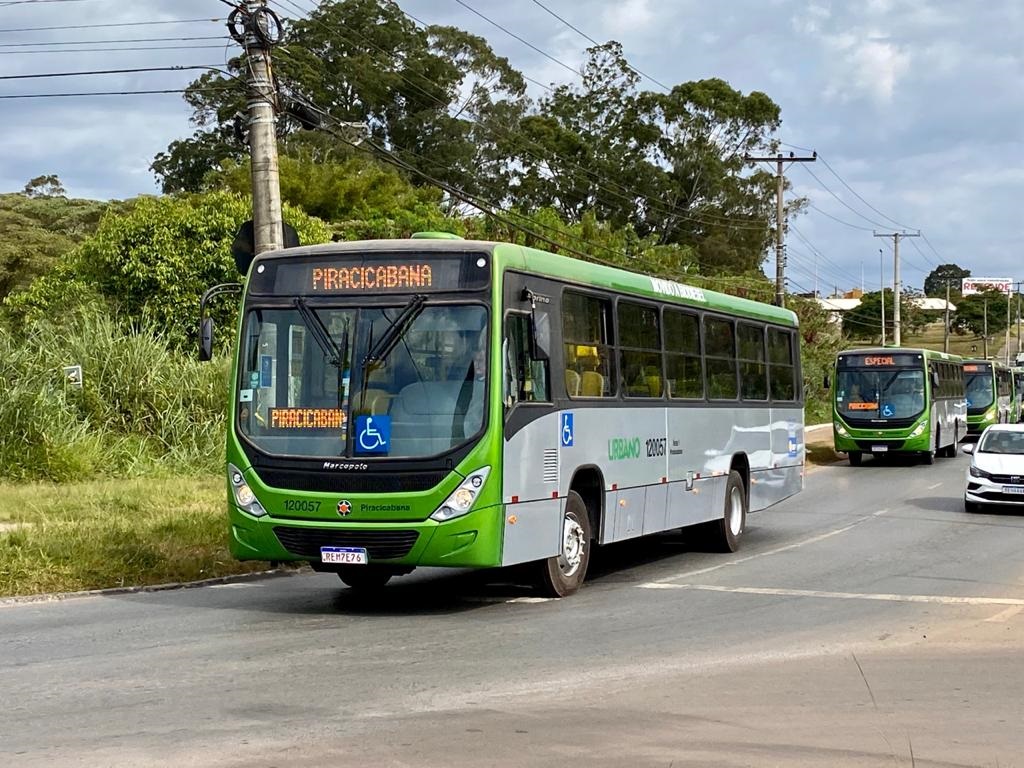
<point x="574" y="270"/>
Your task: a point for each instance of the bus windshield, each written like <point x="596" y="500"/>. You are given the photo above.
<point x="880" y="394"/>
<point x="317" y="381"/>
<point x="979" y="388"/>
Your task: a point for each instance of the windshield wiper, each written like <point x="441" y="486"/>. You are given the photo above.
<point x="335" y="353"/>
<point x="395" y="330"/>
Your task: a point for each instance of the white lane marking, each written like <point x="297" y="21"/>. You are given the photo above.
<point x="777" y="550"/>
<point x="1009" y="613"/>
<point x="884" y="597"/>
<point x="933" y="487"/>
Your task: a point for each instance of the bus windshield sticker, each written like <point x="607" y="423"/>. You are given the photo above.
<point x="888" y="411"/>
<point x="266" y="371"/>
<point x="245" y="396"/>
<point x="306" y="418"/>
<point x="254" y="379"/>
<point x="373" y="434"/>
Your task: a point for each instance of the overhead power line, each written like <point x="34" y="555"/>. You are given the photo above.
<point x="107" y="26"/>
<point x="103" y="93"/>
<point x="175" y="68"/>
<point x="113" y="42"/>
<point x="580" y="32"/>
<point x="115" y="50"/>
<point x="527" y="43"/>
<point x="30" y="2"/>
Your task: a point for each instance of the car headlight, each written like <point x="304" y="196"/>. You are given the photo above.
<point x="840" y="429"/>
<point x="918" y="430"/>
<point x="975" y="472"/>
<point x="462" y="498"/>
<point x="244" y="497"/>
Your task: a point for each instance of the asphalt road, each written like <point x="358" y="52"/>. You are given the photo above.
<point x="868" y="621"/>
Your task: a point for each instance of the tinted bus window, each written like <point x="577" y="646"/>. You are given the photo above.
<point x="781" y="368"/>
<point x="682" y="355"/>
<point x="720" y="354"/>
<point x="640" y="352"/>
<point x="586" y="331"/>
<point x="753" y="371"/>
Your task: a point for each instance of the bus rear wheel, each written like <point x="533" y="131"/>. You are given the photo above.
<point x="365" y="578"/>
<point x="563" y="574"/>
<point x="723" y="535"/>
<point x="855" y="458"/>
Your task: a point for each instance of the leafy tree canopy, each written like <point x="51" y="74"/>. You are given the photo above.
<point x="971" y="312"/>
<point x="154" y="260"/>
<point x="935" y="283"/>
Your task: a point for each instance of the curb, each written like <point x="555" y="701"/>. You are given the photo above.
<point x="53" y="597"/>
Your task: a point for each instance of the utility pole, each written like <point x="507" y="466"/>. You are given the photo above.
<point x="945" y="325"/>
<point x="1008" y="316"/>
<point x="1019" y="285"/>
<point x="881" y="283"/>
<point x="984" y="335"/>
<point x="896" y="287"/>
<point x="780" y="260"/>
<point x="260" y="30"/>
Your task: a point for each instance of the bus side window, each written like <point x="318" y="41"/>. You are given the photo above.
<point x="526" y="379"/>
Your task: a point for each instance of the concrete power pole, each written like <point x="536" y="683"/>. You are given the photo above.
<point x="896" y="286"/>
<point x="881" y="283"/>
<point x="984" y="335"/>
<point x="262" y="31"/>
<point x="945" y="325"/>
<point x="780" y="224"/>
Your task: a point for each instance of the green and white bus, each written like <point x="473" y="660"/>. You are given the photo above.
<point x="991" y="395"/>
<point x="442" y="402"/>
<point x="898" y="400"/>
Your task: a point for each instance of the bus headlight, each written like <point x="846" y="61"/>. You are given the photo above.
<point x="918" y="430"/>
<point x="840" y="429"/>
<point x="990" y="414"/>
<point x="244" y="497"/>
<point x="462" y="498"/>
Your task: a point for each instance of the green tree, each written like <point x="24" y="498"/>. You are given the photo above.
<point x="154" y="260"/>
<point x="47" y="185"/>
<point x="421" y="93"/>
<point x="37" y="230"/>
<point x="971" y="311"/>
<point x="865" y="320"/>
<point x="935" y="283"/>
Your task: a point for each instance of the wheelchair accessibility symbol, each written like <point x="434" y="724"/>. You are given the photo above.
<point x="373" y="434"/>
<point x="566" y="432"/>
<point x="888" y="411"/>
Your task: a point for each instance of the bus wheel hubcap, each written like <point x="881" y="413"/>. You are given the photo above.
<point x="735" y="511"/>
<point x="573" y="544"/>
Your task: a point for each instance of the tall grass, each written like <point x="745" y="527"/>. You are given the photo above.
<point x="144" y="408"/>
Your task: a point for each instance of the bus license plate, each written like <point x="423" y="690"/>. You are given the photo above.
<point x="344" y="555"/>
<point x="879" y="448"/>
<point x="1017" y="489"/>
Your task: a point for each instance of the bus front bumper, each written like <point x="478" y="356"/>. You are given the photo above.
<point x="470" y="541"/>
<point x="892" y="441"/>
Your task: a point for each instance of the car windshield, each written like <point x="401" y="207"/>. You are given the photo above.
<point x="873" y="394"/>
<point x="979" y="390"/>
<point x="1003" y="441"/>
<point x="318" y="382"/>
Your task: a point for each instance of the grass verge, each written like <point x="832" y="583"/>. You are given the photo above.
<point x="113" y="533"/>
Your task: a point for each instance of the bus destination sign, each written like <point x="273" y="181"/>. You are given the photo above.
<point x="306" y="418"/>
<point x="346" y="274"/>
<point x="881" y="360"/>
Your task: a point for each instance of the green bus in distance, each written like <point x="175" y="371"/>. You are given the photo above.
<point x="898" y="400"/>
<point x="991" y="395"/>
<point x="441" y="402"/>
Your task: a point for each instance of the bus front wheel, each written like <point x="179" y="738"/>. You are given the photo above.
<point x="563" y="574"/>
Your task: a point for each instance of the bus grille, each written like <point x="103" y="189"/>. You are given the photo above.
<point x="379" y="545"/>
<point x="393" y="482"/>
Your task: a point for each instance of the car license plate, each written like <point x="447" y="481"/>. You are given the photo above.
<point x="1017" y="489"/>
<point x="879" y="448"/>
<point x="344" y="555"/>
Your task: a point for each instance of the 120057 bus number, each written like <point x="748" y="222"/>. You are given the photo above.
<point x="301" y="505"/>
<point x="656" y="446"/>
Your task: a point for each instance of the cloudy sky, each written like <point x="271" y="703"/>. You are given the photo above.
<point x="915" y="107"/>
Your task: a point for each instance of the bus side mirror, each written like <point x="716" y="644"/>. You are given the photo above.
<point x="206" y="339"/>
<point x="826" y="383"/>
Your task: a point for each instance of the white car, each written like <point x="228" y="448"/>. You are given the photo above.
<point x="996" y="474"/>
